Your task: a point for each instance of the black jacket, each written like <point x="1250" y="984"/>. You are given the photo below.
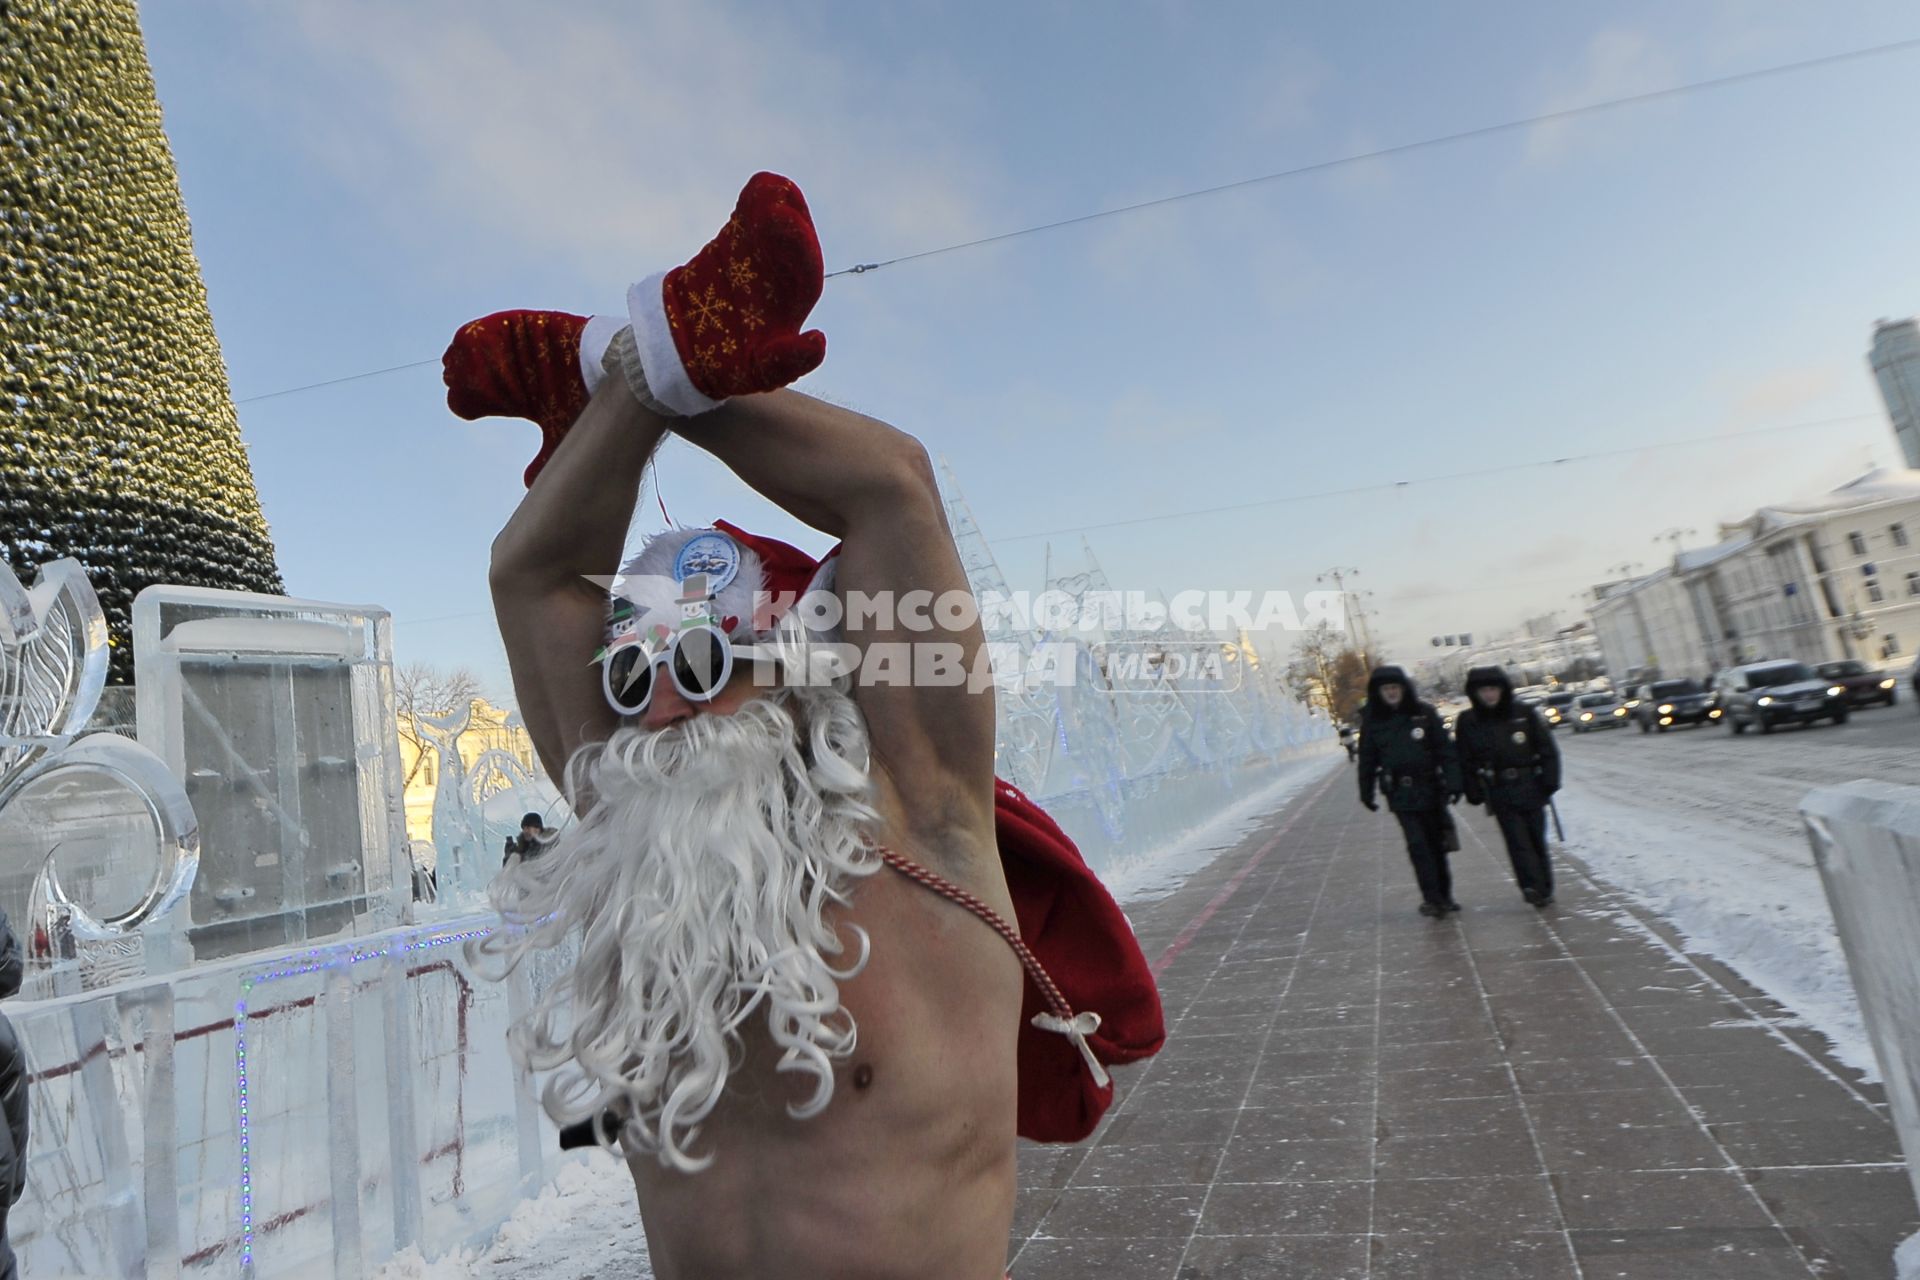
<point x="1508" y="759"/>
<point x="1404" y="750"/>
<point x="13" y="1079"/>
<point x="526" y="847"/>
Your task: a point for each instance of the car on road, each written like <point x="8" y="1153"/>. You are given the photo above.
<point x="1865" y="686"/>
<point x="1596" y="711"/>
<point x="1769" y="694"/>
<point x="1555" y="709"/>
<point x="1666" y="703"/>
<point x="1350" y="739"/>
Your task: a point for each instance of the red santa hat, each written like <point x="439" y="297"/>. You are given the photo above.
<point x="745" y="582"/>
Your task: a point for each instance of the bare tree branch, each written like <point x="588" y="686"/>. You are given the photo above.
<point x="420" y="690"/>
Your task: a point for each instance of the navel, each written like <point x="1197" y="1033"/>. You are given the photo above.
<point x="863" y="1076"/>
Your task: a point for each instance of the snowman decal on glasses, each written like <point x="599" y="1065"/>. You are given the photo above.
<point x="696" y="649"/>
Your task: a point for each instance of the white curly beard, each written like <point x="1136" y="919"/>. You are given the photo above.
<point x="699" y="882"/>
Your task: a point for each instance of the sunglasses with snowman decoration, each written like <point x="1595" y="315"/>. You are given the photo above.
<point x="700" y="655"/>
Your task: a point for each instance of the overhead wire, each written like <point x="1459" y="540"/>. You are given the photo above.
<point x="1405" y="148"/>
<point x="1448" y="477"/>
<point x="1318" y="166"/>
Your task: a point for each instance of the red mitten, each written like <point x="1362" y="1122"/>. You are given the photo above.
<point x="728" y="322"/>
<point x="523" y="364"/>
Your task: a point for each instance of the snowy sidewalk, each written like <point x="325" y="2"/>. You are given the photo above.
<point x="1352" y="1090"/>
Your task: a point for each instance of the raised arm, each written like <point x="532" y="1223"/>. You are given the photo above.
<point x="872" y="486"/>
<point x="571" y="526"/>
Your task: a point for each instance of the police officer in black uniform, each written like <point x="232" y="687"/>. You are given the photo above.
<point x="1509" y="763"/>
<point x="1405" y="751"/>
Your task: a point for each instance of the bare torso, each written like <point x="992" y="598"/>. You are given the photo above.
<point x="909" y="1173"/>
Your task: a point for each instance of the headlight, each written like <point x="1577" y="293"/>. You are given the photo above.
<point x="1633" y="702"/>
<point x="1619" y="711"/>
<point x="1666" y="708"/>
<point x="1586" y="715"/>
<point x="1666" y="719"/>
<point x="1714" y="714"/>
<point x="1765" y="702"/>
<point x="1887" y="684"/>
<point x="1835" y="691"/>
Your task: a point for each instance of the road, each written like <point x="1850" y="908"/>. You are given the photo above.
<point x="1703" y="828"/>
<point x="1753" y="781"/>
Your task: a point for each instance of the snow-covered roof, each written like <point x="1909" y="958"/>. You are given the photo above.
<point x="1701" y="557"/>
<point x="1877" y="487"/>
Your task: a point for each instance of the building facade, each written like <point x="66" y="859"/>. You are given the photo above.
<point x="1895" y="358"/>
<point x="1834" y="577"/>
<point x="495" y="752"/>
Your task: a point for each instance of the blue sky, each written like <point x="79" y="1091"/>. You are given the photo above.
<point x="365" y="175"/>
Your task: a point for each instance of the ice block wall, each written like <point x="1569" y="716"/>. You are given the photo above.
<point x="1866" y="840"/>
<point x="301" y="1113"/>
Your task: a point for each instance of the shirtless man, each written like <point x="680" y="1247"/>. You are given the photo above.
<point x="813" y="1055"/>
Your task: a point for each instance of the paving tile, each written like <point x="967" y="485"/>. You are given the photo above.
<point x="1842" y="1196"/>
<point x="1693" y="1039"/>
<point x="1156" y="1127"/>
<point x="1310" y="1091"/>
<point x="1452" y="1116"/>
<point x="1609" y="1145"/>
<point x="1540" y="1255"/>
<point x="1709" y="1010"/>
<point x="1505" y="1151"/>
<point x="1286" y="1039"/>
<point x="1316" y="1062"/>
<point x="1287" y="1209"/>
<point x="1774" y="1069"/>
<point x="1177" y="1096"/>
<point x="1689" y="1254"/>
<point x="1484" y="1051"/>
<point x="1306" y="1160"/>
<point x="1047" y="1166"/>
<point x="1030" y="1207"/>
<point x="1739" y="1099"/>
<point x="1432" y="1030"/>
<point x="1343" y="1122"/>
<point x="1230" y="1067"/>
<point x="1398" y="1088"/>
<point x="1269" y="1257"/>
<point x="1087" y="1213"/>
<point x="1585" y="1075"/>
<point x="1304" y="1017"/>
<point x="1433" y="1206"/>
<point x="1148" y="1165"/>
<point x="1836" y="1141"/>
<point x="1047" y="1259"/>
<point x="1642" y="1200"/>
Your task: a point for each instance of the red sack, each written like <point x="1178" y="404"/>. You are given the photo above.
<point x="1082" y="939"/>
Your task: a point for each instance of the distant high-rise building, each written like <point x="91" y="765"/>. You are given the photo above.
<point x="1896" y="363"/>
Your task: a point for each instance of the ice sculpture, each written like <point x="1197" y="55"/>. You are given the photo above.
<point x="97" y="841"/>
<point x="1127" y="763"/>
<point x="477" y="805"/>
<point x="278" y="714"/>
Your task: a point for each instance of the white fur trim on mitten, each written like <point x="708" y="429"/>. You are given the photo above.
<point x="594" y="340"/>
<point x="666" y="377"/>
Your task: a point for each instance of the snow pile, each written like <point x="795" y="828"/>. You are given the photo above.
<point x="1748" y="897"/>
<point x="1906" y="1259"/>
<point x="1154" y="875"/>
<point x="583" y="1223"/>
